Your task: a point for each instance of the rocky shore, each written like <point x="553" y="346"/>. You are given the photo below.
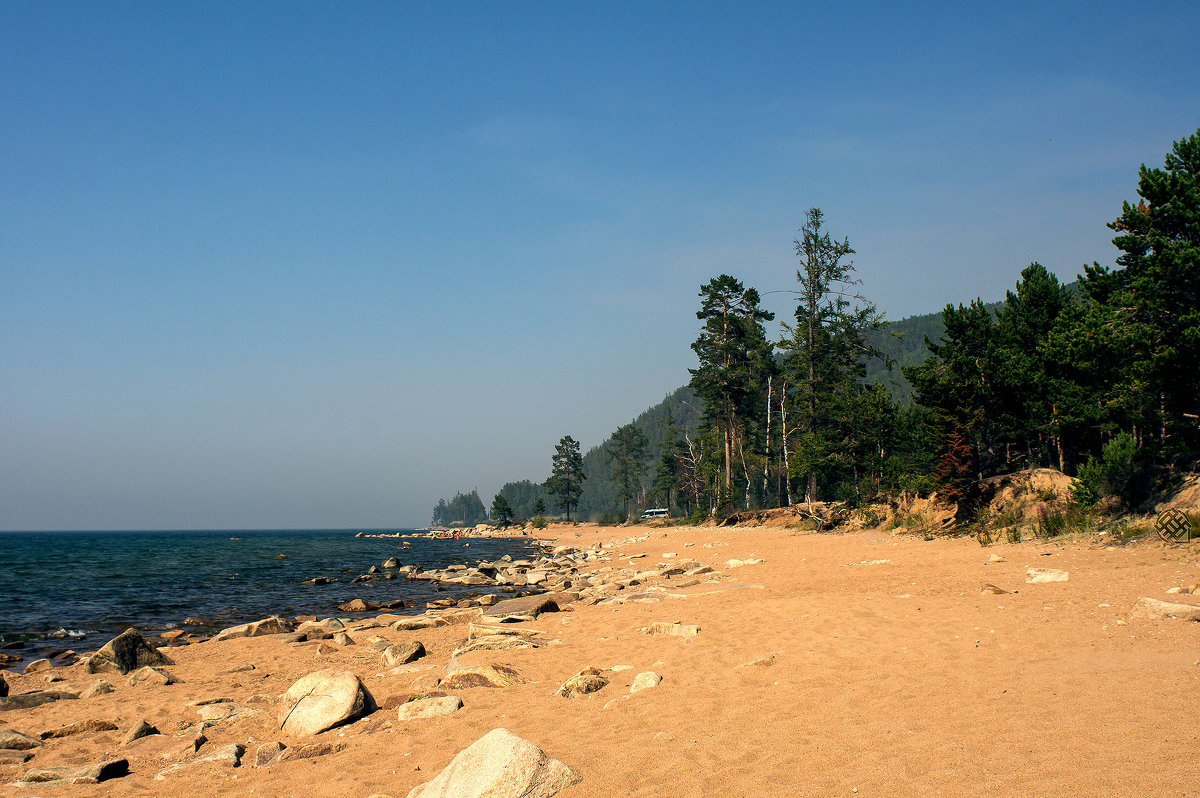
<point x="657" y="662"/>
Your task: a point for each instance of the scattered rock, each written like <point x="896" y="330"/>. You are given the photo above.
<point x="88" y="774"/>
<point x="588" y="680"/>
<point x="90" y="726"/>
<point x="126" y="652"/>
<point x="391" y="562"/>
<point x="526" y="608"/>
<point x="1038" y="576"/>
<point x="169" y="747"/>
<point x="267" y="626"/>
<point x="419" y="622"/>
<point x="677" y="629"/>
<point x="343" y="639"/>
<point x="101" y="687"/>
<point x="320" y="580"/>
<point x="12" y="757"/>
<point x="142" y="729"/>
<point x="15" y="741"/>
<point x="499" y="765"/>
<point x="229" y="755"/>
<point x="994" y="590"/>
<point x="480" y="675"/>
<point x="267" y="753"/>
<point x="38" y="665"/>
<point x="1154" y="610"/>
<point x="358" y="605"/>
<point x="3" y="687"/>
<point x="322" y="700"/>
<point x="238" y="669"/>
<point x="225" y="712"/>
<point x="644" y="681"/>
<point x="402" y="653"/>
<point x="152" y="676"/>
<point x="429" y="707"/>
<point x="996" y="558"/>
<point x="759" y="662"/>
<point x="34" y="699"/>
<point x="309" y="751"/>
<point x="172" y="634"/>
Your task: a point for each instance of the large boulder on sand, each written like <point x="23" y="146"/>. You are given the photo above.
<point x="321" y="700"/>
<point x="499" y="765"/>
<point x="267" y="626"/>
<point x="126" y="652"/>
<point x="1157" y="610"/>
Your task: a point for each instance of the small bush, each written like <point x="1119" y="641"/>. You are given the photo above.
<point x="538" y="522"/>
<point x="1013" y="534"/>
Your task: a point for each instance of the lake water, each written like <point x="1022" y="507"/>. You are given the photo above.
<point x="78" y="589"/>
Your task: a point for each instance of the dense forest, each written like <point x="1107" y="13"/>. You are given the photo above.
<point x="1099" y="379"/>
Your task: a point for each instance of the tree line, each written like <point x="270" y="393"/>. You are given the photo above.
<point x="1098" y="380"/>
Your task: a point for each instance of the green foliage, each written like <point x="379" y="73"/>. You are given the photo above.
<point x="538" y="522"/>
<point x="566" y="475"/>
<point x="526" y="498"/>
<point x="502" y="513"/>
<point x="1054" y="520"/>
<point x="735" y="362"/>
<point x="465" y="509"/>
<point x="627" y="456"/>
<point x="1115" y="473"/>
<point x="838" y="422"/>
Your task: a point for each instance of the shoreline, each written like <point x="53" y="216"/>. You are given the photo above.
<point x="819" y="664"/>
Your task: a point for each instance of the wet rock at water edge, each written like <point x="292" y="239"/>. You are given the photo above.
<point x="126" y="652"/>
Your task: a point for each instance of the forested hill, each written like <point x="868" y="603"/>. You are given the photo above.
<point x="903" y="342"/>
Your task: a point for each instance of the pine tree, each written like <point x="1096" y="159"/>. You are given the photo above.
<point x="828" y="347"/>
<point x="1154" y="300"/>
<point x="626" y="452"/>
<point x="566" y="475"/>
<point x="502" y="512"/>
<point x="735" y="358"/>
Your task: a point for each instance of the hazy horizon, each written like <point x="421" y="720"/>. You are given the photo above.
<point x="317" y="266"/>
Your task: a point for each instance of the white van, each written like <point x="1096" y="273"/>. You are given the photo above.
<point x="656" y="512"/>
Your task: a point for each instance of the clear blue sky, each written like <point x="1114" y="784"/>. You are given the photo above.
<point x="319" y="264"/>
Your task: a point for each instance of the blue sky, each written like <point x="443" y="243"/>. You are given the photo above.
<point x="316" y="264"/>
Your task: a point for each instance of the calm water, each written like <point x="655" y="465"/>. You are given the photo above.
<point x="78" y="589"/>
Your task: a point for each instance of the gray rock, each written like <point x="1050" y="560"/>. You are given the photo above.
<point x="322" y="700"/>
<point x="152" y="676"/>
<point x="142" y="729"/>
<point x="126" y="652"/>
<point x="310" y="751"/>
<point x="34" y="699"/>
<point x="88" y="774"/>
<point x="90" y="726"/>
<point x="644" y="681"/>
<point x="391" y="562"/>
<point x="101" y="687"/>
<point x="588" y="680"/>
<point x="1038" y="576"/>
<point x="480" y="675"/>
<point x="402" y="653"/>
<point x="38" y="665"/>
<point x="1154" y="610"/>
<point x="267" y="626"/>
<point x="499" y="765"/>
<point x="429" y="707"/>
<point x="15" y="741"/>
<point x="677" y="629"/>
<point x="268" y="753"/>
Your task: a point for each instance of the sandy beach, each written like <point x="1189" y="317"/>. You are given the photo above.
<point x="866" y="663"/>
